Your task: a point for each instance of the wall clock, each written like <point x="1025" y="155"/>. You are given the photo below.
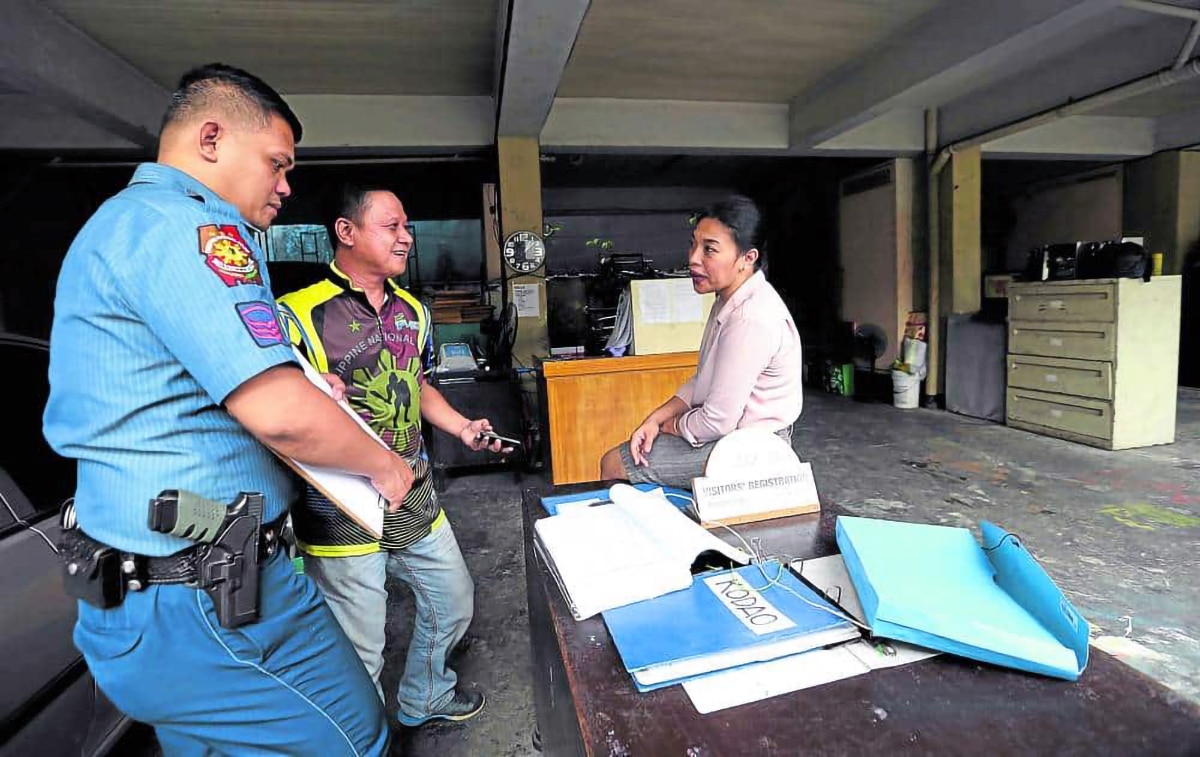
<point x="523" y="252"/>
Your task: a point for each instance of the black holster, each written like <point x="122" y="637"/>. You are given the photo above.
<point x="226" y="568"/>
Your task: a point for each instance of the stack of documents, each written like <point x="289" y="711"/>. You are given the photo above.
<point x="638" y="547"/>
<point x="724" y="620"/>
<point x="935" y="586"/>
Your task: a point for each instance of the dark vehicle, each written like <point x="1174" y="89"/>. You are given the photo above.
<point x="49" y="703"/>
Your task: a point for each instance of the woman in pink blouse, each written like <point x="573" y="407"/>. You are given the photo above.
<point x="749" y="371"/>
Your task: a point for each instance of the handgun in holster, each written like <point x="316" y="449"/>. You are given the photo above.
<point x="227" y="552"/>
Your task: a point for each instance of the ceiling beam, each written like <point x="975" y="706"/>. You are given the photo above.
<point x="394" y="121"/>
<point x="31" y="124"/>
<point x="540" y="36"/>
<point x="503" y="9"/>
<point x="668" y="124"/>
<point x="1177" y="131"/>
<point x="1078" y="138"/>
<point x="46" y="57"/>
<point x="1123" y="54"/>
<point x="897" y="132"/>
<point x="944" y="54"/>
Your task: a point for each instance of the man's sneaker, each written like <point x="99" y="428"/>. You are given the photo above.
<point x="464" y="706"/>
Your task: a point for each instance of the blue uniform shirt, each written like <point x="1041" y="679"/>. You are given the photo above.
<point x="163" y="309"/>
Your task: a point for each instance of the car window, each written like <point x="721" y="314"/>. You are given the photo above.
<point x="45" y="478"/>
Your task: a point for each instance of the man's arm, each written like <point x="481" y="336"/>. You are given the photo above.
<point x="284" y="411"/>
<point x="436" y="410"/>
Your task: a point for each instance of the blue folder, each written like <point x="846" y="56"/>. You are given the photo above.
<point x="692" y="632"/>
<point x="678" y="497"/>
<point x="936" y="587"/>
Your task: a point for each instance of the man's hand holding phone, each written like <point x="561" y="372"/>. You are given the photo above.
<point x="478" y="435"/>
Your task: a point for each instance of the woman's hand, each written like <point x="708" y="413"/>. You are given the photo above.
<point x="642" y="441"/>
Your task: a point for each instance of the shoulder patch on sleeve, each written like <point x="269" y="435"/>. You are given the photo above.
<point x="227" y="255"/>
<point x="259" y="319"/>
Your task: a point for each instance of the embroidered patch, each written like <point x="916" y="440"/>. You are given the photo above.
<point x="403" y="323"/>
<point x="260" y="321"/>
<point x="227" y="255"/>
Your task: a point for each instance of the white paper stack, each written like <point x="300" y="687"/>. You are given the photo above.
<point x="639" y="547"/>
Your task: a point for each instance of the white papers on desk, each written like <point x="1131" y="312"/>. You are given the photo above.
<point x="830" y="577"/>
<point x="354" y="495"/>
<point x="752" y="683"/>
<point x="639" y="547"/>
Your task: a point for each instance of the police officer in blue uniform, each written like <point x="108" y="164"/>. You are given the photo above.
<point x="171" y="383"/>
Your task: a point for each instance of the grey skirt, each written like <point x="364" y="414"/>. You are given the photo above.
<point x="673" y="461"/>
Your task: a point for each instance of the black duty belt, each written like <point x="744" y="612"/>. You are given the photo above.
<point x="179" y="568"/>
<point x="182" y="567"/>
<point x="231" y="544"/>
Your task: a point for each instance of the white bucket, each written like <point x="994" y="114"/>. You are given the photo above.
<point x="906" y="389"/>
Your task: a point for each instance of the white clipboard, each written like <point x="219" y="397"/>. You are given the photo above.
<point x="353" y="494"/>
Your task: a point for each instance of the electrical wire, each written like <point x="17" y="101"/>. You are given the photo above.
<point x="26" y="524"/>
<point x="777" y="581"/>
<point x="758" y="557"/>
<point x="677" y="495"/>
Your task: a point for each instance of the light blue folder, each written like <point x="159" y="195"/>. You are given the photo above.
<point x="936" y="587"/>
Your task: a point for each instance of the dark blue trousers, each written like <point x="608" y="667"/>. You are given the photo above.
<point x="288" y="684"/>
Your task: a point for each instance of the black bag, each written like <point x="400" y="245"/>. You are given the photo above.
<point x="1113" y="260"/>
<point x="1132" y="262"/>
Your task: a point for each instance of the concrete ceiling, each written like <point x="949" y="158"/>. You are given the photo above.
<point x="1182" y="98"/>
<point x="771" y="77"/>
<point x="725" y="51"/>
<point x="348" y="47"/>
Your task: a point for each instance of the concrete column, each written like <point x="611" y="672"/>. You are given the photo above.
<point x="521" y="210"/>
<point x="1162" y="204"/>
<point x="956" y="278"/>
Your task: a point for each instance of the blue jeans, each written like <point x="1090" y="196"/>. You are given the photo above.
<point x="289" y="683"/>
<point x="445" y="597"/>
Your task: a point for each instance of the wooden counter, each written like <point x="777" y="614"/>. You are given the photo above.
<point x="593" y="404"/>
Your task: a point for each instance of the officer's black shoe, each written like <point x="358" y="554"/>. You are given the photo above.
<point x="464" y="706"/>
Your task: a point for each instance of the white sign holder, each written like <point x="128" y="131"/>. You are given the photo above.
<point x="752" y="475"/>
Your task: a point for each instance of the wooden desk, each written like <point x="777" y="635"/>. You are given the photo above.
<point x="587" y="704"/>
<point x="591" y="405"/>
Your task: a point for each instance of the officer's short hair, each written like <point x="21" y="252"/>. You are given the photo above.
<point x="216" y="86"/>
<point x="349" y="202"/>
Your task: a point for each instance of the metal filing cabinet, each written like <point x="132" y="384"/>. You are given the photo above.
<point x="1095" y="361"/>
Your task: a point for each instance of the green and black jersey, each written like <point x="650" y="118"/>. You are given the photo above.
<point x="382" y="357"/>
